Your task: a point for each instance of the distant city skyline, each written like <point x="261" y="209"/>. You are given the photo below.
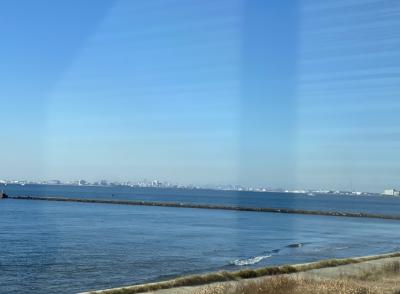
<point x="157" y="183"/>
<point x="294" y="94"/>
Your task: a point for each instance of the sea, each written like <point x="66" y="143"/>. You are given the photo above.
<point x="69" y="247"/>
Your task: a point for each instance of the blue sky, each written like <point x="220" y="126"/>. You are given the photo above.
<point x="267" y="93"/>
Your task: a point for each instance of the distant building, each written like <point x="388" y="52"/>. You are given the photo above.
<point x="391" y="192"/>
<point x="54" y="182"/>
<point x="82" y="182"/>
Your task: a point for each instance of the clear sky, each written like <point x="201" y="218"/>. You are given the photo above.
<point x="294" y="94"/>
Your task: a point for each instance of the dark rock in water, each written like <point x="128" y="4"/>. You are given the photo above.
<point x="275" y="250"/>
<point x="295" y="245"/>
<point x="3" y="195"/>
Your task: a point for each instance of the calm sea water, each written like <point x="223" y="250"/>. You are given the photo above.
<point x="52" y="247"/>
<point x="370" y="204"/>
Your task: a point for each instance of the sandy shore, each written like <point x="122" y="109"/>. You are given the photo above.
<point x="316" y="271"/>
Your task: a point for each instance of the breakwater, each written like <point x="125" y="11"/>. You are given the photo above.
<point x="209" y="206"/>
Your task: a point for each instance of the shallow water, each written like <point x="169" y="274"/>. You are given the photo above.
<point x="53" y="247"/>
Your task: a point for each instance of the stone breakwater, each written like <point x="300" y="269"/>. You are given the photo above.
<point x="209" y="206"/>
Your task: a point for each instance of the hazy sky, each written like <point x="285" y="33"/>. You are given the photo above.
<point x="297" y="94"/>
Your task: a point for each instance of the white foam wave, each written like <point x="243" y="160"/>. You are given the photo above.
<point x="341" y="248"/>
<point x="250" y="261"/>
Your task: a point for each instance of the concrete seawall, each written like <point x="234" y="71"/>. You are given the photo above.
<point x="209" y="206"/>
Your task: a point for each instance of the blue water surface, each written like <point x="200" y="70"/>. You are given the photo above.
<point x="61" y="247"/>
<point x="329" y="202"/>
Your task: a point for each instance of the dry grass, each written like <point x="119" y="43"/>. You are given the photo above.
<point x="376" y="280"/>
<point x="289" y="285"/>
<point x="223" y="276"/>
<point x="376" y="273"/>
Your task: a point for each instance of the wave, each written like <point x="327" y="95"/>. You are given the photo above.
<point x="250" y="261"/>
<point x="341" y="248"/>
<point x="257" y="259"/>
<point x="295" y="245"/>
